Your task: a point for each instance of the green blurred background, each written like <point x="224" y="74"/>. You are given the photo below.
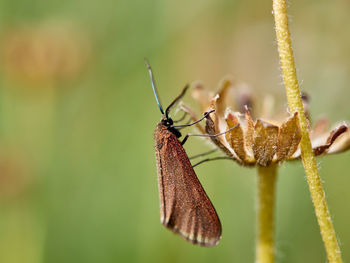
<point x="77" y="171"/>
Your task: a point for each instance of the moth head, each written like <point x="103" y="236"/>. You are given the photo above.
<point x="168" y="122"/>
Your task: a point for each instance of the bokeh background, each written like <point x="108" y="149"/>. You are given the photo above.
<point x="77" y="171"/>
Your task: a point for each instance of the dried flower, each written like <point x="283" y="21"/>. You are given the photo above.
<point x="262" y="141"/>
<point x="44" y="53"/>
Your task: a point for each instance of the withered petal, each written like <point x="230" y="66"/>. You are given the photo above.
<point x="202" y="95"/>
<point x="235" y="137"/>
<point x="210" y="129"/>
<point x="265" y="141"/>
<point x="289" y="137"/>
<point x="341" y="144"/>
<point x="223" y="91"/>
<point x="213" y="106"/>
<point x="210" y="125"/>
<point x="320" y="127"/>
<point x="331" y="138"/>
<point x="249" y="132"/>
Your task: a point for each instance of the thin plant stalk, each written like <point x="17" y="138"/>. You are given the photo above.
<point x="265" y="245"/>
<point x="308" y="158"/>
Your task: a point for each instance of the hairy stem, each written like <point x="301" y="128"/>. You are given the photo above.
<point x="265" y="249"/>
<point x="295" y="105"/>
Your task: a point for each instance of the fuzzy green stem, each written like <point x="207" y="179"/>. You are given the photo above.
<point x="266" y="181"/>
<point x="296" y="105"/>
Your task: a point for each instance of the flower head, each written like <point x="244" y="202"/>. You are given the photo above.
<point x="40" y="54"/>
<point x="262" y="141"/>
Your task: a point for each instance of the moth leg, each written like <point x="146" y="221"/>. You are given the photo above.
<point x="193" y="123"/>
<point x="213" y="159"/>
<point x="185" y="139"/>
<point x="183" y="117"/>
<point x="187" y="123"/>
<point x="207" y="135"/>
<point x="202" y="154"/>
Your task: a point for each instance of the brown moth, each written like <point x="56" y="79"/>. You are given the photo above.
<point x="185" y="208"/>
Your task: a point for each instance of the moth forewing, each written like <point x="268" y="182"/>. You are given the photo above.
<point x="184" y="206"/>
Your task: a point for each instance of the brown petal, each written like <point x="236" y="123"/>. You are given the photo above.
<point x="249" y="132"/>
<point x="224" y="87"/>
<point x="213" y="106"/>
<point x="235" y="136"/>
<point x="332" y="137"/>
<point x="341" y="144"/>
<point x="200" y="94"/>
<point x="320" y="127"/>
<point x="231" y="119"/>
<point x="210" y="129"/>
<point x="289" y="137"/>
<point x="265" y="140"/>
<point x="210" y="125"/>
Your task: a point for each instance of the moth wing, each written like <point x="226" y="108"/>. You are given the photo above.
<point x="185" y="207"/>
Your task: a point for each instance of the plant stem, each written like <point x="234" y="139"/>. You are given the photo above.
<point x="296" y="105"/>
<point x="265" y="249"/>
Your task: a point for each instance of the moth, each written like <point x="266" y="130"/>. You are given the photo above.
<point x="185" y="208"/>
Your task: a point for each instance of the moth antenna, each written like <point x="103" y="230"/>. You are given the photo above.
<point x="175" y="101"/>
<point x="154" y="87"/>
